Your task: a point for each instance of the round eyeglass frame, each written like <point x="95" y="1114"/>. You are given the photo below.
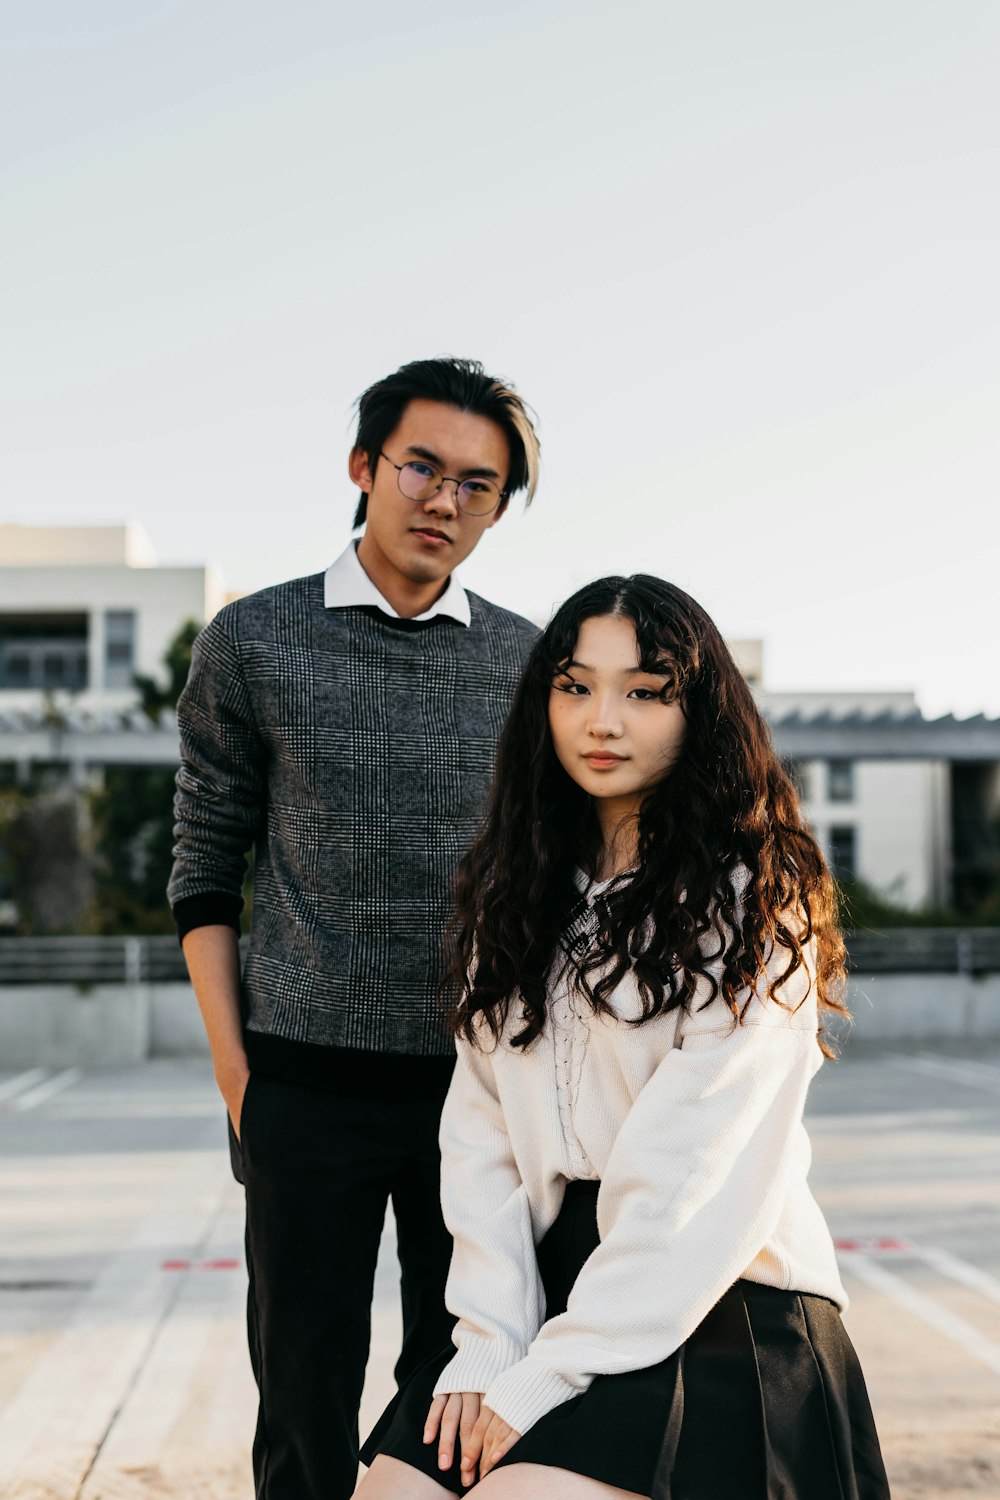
<point x="443" y="479"/>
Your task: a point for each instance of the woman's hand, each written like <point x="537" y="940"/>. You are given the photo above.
<point x="484" y="1437"/>
<point x="490" y="1440"/>
<point x="451" y="1415"/>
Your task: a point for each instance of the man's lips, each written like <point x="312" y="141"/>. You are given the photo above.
<point x="431" y="534"/>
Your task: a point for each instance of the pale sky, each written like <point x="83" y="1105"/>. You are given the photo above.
<point x="741" y="259"/>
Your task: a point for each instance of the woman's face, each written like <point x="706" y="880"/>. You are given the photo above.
<point x="612" y="732"/>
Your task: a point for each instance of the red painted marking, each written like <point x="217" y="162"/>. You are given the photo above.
<point x="226" y="1264"/>
<point x="874" y="1246"/>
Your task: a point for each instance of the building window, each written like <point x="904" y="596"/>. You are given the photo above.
<point x="840" y="781"/>
<point x="799" y="774"/>
<point x="43" y="652"/>
<point x="54" y="665"/>
<point x="17" y="670"/>
<point x="844" y="853"/>
<point x="119" y="648"/>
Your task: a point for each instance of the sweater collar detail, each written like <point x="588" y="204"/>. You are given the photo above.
<point x="347" y="585"/>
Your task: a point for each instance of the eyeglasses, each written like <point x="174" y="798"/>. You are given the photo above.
<point x="419" y="480"/>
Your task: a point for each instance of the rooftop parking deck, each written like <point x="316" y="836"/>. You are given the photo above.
<point x="123" y="1367"/>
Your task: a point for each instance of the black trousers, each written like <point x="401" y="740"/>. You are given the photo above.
<point x="318" y="1170"/>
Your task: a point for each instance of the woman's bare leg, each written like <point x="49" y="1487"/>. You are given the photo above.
<point x="540" y="1482"/>
<point x="390" y="1479"/>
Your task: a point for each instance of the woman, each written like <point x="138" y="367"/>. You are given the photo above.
<point x="644" y="948"/>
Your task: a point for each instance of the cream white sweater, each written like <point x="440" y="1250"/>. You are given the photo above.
<point x="692" y="1124"/>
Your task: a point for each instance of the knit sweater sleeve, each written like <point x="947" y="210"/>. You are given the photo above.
<point x="493" y="1284"/>
<point x="693" y="1189"/>
<point x="221" y="783"/>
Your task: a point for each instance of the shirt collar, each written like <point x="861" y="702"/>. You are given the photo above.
<point x="346" y="583"/>
<point x="591" y="888"/>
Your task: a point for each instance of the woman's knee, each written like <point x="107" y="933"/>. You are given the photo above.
<point x="391" y="1479"/>
<point x="541" y="1482"/>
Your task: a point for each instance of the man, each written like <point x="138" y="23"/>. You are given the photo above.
<point x="344" y="726"/>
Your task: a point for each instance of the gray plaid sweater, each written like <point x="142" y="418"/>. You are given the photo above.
<point x="353" y="751"/>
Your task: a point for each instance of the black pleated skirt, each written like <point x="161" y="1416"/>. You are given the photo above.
<point x="765" y="1400"/>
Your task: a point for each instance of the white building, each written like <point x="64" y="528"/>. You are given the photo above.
<point x="85" y="608"/>
<point x="898" y="801"/>
<point x="884" y="821"/>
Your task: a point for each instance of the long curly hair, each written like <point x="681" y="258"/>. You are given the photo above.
<point x="727" y="870"/>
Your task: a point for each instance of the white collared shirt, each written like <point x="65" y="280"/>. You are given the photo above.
<point x="346" y="583"/>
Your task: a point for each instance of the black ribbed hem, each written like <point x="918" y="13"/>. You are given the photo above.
<point x="210" y="909"/>
<point x="393" y="622"/>
<point x="348" y="1071"/>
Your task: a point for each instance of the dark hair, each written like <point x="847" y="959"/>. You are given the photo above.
<point x="455" y="382"/>
<point x="727" y="869"/>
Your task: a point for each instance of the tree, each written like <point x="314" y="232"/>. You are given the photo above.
<point x="133" y="816"/>
<point x="133" y="832"/>
<point x="47" y="873"/>
<point x="154" y="697"/>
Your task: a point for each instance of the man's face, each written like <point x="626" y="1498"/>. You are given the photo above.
<point x="421" y="541"/>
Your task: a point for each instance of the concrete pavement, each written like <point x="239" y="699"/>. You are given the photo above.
<point x="123" y="1369"/>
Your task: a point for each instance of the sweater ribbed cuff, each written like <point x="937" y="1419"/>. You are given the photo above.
<point x="210" y="909"/>
<point x="479" y="1361"/>
<point x="526" y="1392"/>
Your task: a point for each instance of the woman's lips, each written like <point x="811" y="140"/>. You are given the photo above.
<point x="603" y="761"/>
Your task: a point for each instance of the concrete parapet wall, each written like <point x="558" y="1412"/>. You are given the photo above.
<point x="175" y="1028"/>
<point x="919" y="1007"/>
<point x="64" y="1025"/>
<point x="118" y="1025"/>
<point x="96" y="1026"/>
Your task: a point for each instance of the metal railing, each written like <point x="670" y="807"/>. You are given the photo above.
<point x="90" y="960"/>
<point x="158" y="960"/>
<point x="926" y="950"/>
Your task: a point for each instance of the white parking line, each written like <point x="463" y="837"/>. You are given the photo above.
<point x="959" y="1270"/>
<point x="58" y="1419"/>
<point x="974" y="1075"/>
<point x="46" y="1090"/>
<point x="989" y="1071"/>
<point x="167" y="1414"/>
<point x="876" y="1275"/>
<point x="20" y="1082"/>
<point x="893" y="1247"/>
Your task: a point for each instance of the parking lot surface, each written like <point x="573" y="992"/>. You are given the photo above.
<point x="123" y="1368"/>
